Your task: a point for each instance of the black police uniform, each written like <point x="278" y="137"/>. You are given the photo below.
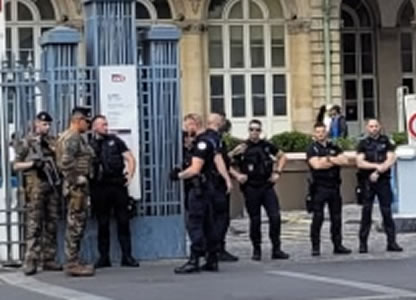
<point x="375" y="151"/>
<point x="326" y="189"/>
<point x="201" y="214"/>
<point x="258" y="191"/>
<point x="109" y="193"/>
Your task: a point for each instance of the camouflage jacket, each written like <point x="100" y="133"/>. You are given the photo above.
<point x="74" y="156"/>
<point x="33" y="147"/>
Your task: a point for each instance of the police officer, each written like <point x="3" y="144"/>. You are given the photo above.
<point x="223" y="198"/>
<point x="192" y="126"/>
<point x="74" y="159"/>
<point x="42" y="200"/>
<point x="375" y="157"/>
<point x="114" y="168"/>
<point x="258" y="167"/>
<point x="201" y="213"/>
<point x="325" y="159"/>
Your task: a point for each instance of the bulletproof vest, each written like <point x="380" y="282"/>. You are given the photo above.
<point x="375" y="151"/>
<point x="109" y="156"/>
<point x="37" y="148"/>
<point x="327" y="177"/>
<point x="256" y="162"/>
<point x="83" y="157"/>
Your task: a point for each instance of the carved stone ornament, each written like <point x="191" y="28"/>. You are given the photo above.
<point x="299" y="26"/>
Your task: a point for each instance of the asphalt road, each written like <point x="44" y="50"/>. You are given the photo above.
<point x="389" y="279"/>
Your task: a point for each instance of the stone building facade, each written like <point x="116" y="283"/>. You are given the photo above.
<point x="274" y="60"/>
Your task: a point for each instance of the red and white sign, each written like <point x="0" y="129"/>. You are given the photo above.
<point x="410" y="105"/>
<point x="118" y="102"/>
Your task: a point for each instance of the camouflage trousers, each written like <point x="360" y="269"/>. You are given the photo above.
<point x="42" y="213"/>
<point x="77" y="214"/>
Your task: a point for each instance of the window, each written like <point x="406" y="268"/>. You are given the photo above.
<point x="25" y="22"/>
<point x="407" y="41"/>
<point x="149" y="12"/>
<point x="247" y="61"/>
<point x="358" y="64"/>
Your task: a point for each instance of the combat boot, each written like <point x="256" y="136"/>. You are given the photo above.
<point x="226" y="256"/>
<point x="129" y="261"/>
<point x="394" y="247"/>
<point x="211" y="264"/>
<point x="51" y="266"/>
<point x="30" y="268"/>
<point x="78" y="270"/>
<point x="191" y="266"/>
<point x="277" y="253"/>
<point x="103" y="262"/>
<point x="256" y="253"/>
<point x="341" y="250"/>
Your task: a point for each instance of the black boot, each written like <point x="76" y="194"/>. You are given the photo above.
<point x="340" y="249"/>
<point x="256" y="253"/>
<point x="363" y="247"/>
<point x="129" y="261"/>
<point x="394" y="247"/>
<point x="226" y="256"/>
<point x="191" y="266"/>
<point x="103" y="262"/>
<point x="316" y="249"/>
<point x="211" y="264"/>
<point x="277" y="253"/>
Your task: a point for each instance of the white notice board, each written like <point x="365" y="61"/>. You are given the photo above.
<point x="118" y="102"/>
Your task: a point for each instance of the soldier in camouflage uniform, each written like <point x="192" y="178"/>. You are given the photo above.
<point x="42" y="199"/>
<point x="74" y="159"/>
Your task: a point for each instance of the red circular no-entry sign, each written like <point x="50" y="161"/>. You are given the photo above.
<point x="411" y="125"/>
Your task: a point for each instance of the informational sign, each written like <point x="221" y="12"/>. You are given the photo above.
<point x="118" y="102"/>
<point x="410" y="105"/>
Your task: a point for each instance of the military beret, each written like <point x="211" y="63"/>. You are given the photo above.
<point x="44" y="116"/>
<point x="85" y="111"/>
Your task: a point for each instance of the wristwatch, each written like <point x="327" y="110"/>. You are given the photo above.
<point x="277" y="172"/>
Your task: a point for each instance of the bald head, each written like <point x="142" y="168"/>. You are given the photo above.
<point x="215" y="121"/>
<point x="373" y="127"/>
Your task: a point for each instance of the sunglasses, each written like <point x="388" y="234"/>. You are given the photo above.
<point x="255" y="129"/>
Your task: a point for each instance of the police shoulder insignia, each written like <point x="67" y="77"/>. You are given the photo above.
<point x="201" y="145"/>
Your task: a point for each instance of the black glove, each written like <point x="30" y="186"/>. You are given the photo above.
<point x="174" y="174"/>
<point x="38" y="164"/>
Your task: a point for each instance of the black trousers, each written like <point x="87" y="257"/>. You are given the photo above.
<point x="332" y="197"/>
<point x="222" y="209"/>
<point x="255" y="198"/>
<point x="201" y="221"/>
<point x="382" y="190"/>
<point x="105" y="199"/>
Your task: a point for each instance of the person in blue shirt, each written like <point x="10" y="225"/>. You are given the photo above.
<point x="338" y="127"/>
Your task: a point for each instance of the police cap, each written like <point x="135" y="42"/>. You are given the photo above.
<point x="44" y="116"/>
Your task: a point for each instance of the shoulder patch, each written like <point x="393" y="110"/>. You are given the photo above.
<point x="201" y="145"/>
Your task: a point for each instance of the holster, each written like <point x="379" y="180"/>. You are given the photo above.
<point x="361" y="189"/>
<point x="309" y="196"/>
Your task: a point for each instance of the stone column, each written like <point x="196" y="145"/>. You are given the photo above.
<point x="389" y="75"/>
<point x="193" y="81"/>
<point x="300" y="75"/>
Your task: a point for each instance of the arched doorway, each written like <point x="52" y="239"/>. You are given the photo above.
<point x="359" y="70"/>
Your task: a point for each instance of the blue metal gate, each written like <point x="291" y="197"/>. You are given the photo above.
<point x="61" y="84"/>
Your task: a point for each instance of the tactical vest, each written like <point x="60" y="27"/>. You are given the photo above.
<point x="326" y="177"/>
<point x="109" y="157"/>
<point x="84" y="155"/>
<point x="256" y="163"/>
<point x="37" y="148"/>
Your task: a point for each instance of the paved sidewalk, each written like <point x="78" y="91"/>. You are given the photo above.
<point x="295" y="237"/>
